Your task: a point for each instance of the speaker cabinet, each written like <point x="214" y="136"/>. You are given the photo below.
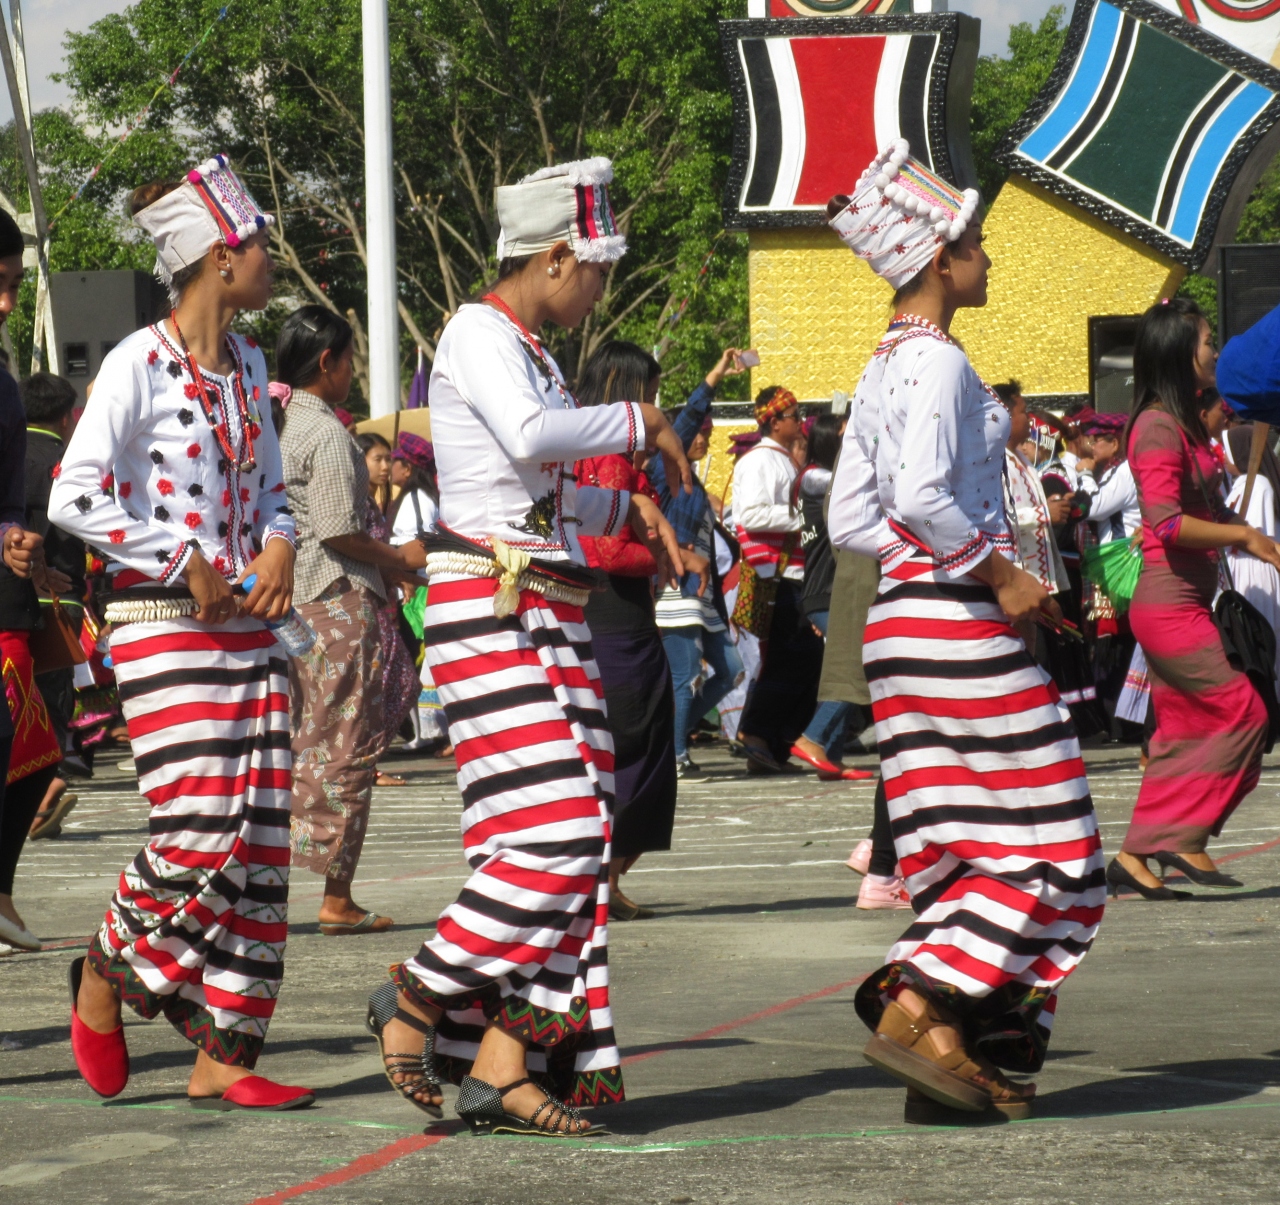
<point x="93" y="311"/>
<point x="1248" y="286"/>
<point x="1111" y="340"/>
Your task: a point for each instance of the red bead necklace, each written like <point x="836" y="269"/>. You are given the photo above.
<point x="222" y="430"/>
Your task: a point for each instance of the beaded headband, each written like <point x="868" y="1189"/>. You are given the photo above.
<point x="210" y="206"/>
<point x="900" y="213"/>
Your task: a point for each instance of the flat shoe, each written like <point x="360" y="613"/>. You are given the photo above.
<point x="625" y="909"/>
<point x="18" y="935"/>
<point x="364" y="925"/>
<point x="49" y="823"/>
<point x="926" y="1075"/>
<point x="256" y="1092"/>
<point x="102" y="1058"/>
<point x="821" y="764"/>
<point x="847" y="774"/>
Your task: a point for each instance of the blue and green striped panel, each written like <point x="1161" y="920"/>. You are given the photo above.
<point x="1146" y="124"/>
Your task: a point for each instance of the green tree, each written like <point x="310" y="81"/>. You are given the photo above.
<point x="1004" y="87"/>
<point x="483" y="92"/>
<point x="90" y="233"/>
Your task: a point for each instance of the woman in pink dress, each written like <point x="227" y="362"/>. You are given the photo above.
<point x="1211" y="724"/>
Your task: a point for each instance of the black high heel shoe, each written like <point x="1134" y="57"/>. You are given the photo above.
<point x="480" y="1106"/>
<point x="1118" y="877"/>
<point x="1203" y="878"/>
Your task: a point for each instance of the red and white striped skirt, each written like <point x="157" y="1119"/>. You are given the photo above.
<point x="525" y="944"/>
<point x="196" y="928"/>
<point x="991" y="813"/>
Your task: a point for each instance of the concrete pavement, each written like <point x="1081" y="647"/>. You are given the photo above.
<point x="735" y="1011"/>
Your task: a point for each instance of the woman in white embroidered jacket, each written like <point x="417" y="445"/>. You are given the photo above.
<point x="991" y="815"/>
<point x="174" y="473"/>
<point x="515" y="981"/>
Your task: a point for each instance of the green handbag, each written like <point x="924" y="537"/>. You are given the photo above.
<point x="1115" y="568"/>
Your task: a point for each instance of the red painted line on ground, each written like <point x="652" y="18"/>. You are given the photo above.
<point x="362" y="1166"/>
<point x="380" y="1158"/>
<point x="1254" y="849"/>
<point x="716" y="1031"/>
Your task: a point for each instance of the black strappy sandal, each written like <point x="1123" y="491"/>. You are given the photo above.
<point x="480" y="1106"/>
<point x="384" y="1007"/>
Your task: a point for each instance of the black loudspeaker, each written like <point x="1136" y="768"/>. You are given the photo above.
<point x="93" y="311"/>
<point x="1248" y="286"/>
<point x="1111" y="340"/>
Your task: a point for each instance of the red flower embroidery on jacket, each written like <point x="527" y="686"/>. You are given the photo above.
<point x="257" y="393"/>
<point x="56" y="472"/>
<point x="226" y="497"/>
<point x="193" y="519"/>
<point x="152" y="356"/>
<point x="126" y="488"/>
<point x="193" y="450"/>
<point x="244" y="493"/>
<point x="107" y="482"/>
<point x="116" y="537"/>
<point x="278" y="489"/>
<point x="165" y="486"/>
<point x="192" y="390"/>
<point x="220" y="564"/>
<point x="251" y="341"/>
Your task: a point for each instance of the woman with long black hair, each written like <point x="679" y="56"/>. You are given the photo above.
<point x="335" y="690"/>
<point x="1211" y="724"/>
<point x="626" y="639"/>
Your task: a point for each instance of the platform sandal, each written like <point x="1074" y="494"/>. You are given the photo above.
<point x="902" y="1047"/>
<point x="480" y="1106"/>
<point x="420" y="1068"/>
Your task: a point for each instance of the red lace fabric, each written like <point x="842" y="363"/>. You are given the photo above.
<point x="623" y="554"/>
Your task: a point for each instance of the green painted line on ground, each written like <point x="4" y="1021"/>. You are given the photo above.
<point x="587" y="1144"/>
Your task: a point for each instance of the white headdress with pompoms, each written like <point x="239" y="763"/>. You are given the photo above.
<point x="900" y="213"/>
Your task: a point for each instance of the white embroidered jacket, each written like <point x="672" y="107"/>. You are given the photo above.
<point x="924" y="450"/>
<point x="507" y="434"/>
<point x="144" y="479"/>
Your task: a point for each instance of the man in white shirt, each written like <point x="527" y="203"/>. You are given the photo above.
<point x="768" y="521"/>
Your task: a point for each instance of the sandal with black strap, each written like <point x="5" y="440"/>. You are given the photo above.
<point x="480" y="1106"/>
<point x="419" y="1069"/>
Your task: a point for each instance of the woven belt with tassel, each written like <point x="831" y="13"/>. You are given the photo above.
<point x="515" y="571"/>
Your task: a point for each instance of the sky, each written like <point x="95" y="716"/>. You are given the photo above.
<point x="47" y="22"/>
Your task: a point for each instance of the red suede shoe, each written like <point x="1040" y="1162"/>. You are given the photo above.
<point x="102" y="1058"/>
<point x="257" y="1092"/>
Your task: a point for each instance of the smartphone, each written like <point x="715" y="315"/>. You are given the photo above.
<point x="748" y="359"/>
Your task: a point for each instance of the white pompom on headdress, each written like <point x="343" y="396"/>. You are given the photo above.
<point x="901" y="213"/>
<point x="211" y="206"/>
<point x="568" y="202"/>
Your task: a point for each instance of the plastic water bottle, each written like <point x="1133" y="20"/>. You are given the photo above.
<point x="295" y="635"/>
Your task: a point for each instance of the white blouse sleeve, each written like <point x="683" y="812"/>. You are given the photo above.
<point x="83" y="501"/>
<point x="855" y="518"/>
<point x="274" y="519"/>
<point x="924" y="493"/>
<point x="493" y="376"/>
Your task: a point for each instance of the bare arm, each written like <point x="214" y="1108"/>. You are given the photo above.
<point x="360" y="546"/>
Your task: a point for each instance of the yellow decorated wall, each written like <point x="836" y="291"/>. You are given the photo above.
<point x="817" y="310"/>
<point x="1053" y="265"/>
